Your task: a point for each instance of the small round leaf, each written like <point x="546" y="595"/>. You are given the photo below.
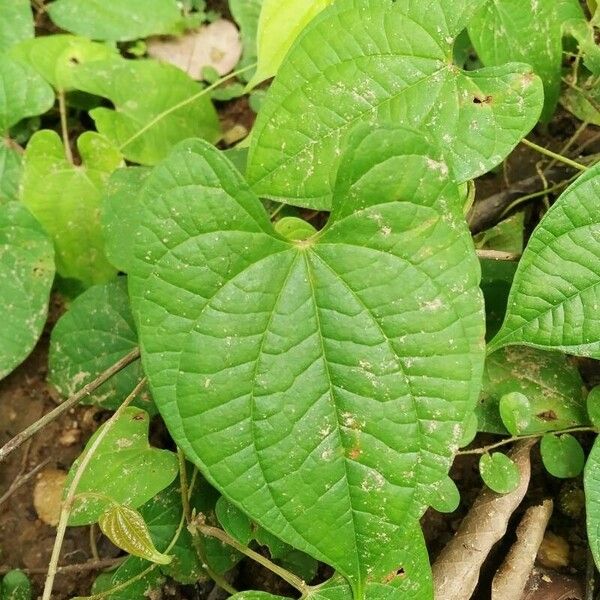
<point x="447" y="498"/>
<point x="593" y="406"/>
<point x="515" y="412"/>
<point x="562" y="455"/>
<point x="499" y="472"/>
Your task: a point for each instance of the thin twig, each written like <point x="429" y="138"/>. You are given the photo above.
<point x="555" y="188"/>
<point x="67" y="504"/>
<point x="22" y="480"/>
<point x="567" y="145"/>
<point x="197" y="542"/>
<point x="224" y="537"/>
<point x="90" y="565"/>
<point x="516" y="438"/>
<point x="30" y="431"/>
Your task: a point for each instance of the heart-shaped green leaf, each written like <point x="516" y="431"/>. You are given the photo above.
<point x="25" y="93"/>
<point x="56" y="57"/>
<point x="279" y="25"/>
<point x="145" y="126"/>
<point x="16" y="23"/>
<point x="66" y="200"/>
<point x="115" y="20"/>
<point x="530" y="32"/>
<point x="349" y="360"/>
<point x="123" y="470"/>
<point x="554" y="298"/>
<point x="26" y="275"/>
<point x="371" y="61"/>
<point x="95" y="333"/>
<point x="551" y="383"/>
<point x="10" y="172"/>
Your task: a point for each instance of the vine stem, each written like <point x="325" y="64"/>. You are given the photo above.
<point x="62" y="109"/>
<point x="69" y="403"/>
<point x="544" y="192"/>
<point x="224" y="537"/>
<point x="183" y="104"/>
<point x="187" y="512"/>
<point x="516" y="438"/>
<point x="67" y="504"/>
<point x="554" y="155"/>
<point x="22" y="480"/>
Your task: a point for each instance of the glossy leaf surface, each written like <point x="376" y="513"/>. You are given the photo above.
<point x="26" y="275"/>
<point x="275" y="362"/>
<point x="555" y="296"/>
<point x="368" y="61"/>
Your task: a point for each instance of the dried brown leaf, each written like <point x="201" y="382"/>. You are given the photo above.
<point x="456" y="571"/>
<point x="216" y="45"/>
<point x="47" y="495"/>
<point x="512" y="576"/>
